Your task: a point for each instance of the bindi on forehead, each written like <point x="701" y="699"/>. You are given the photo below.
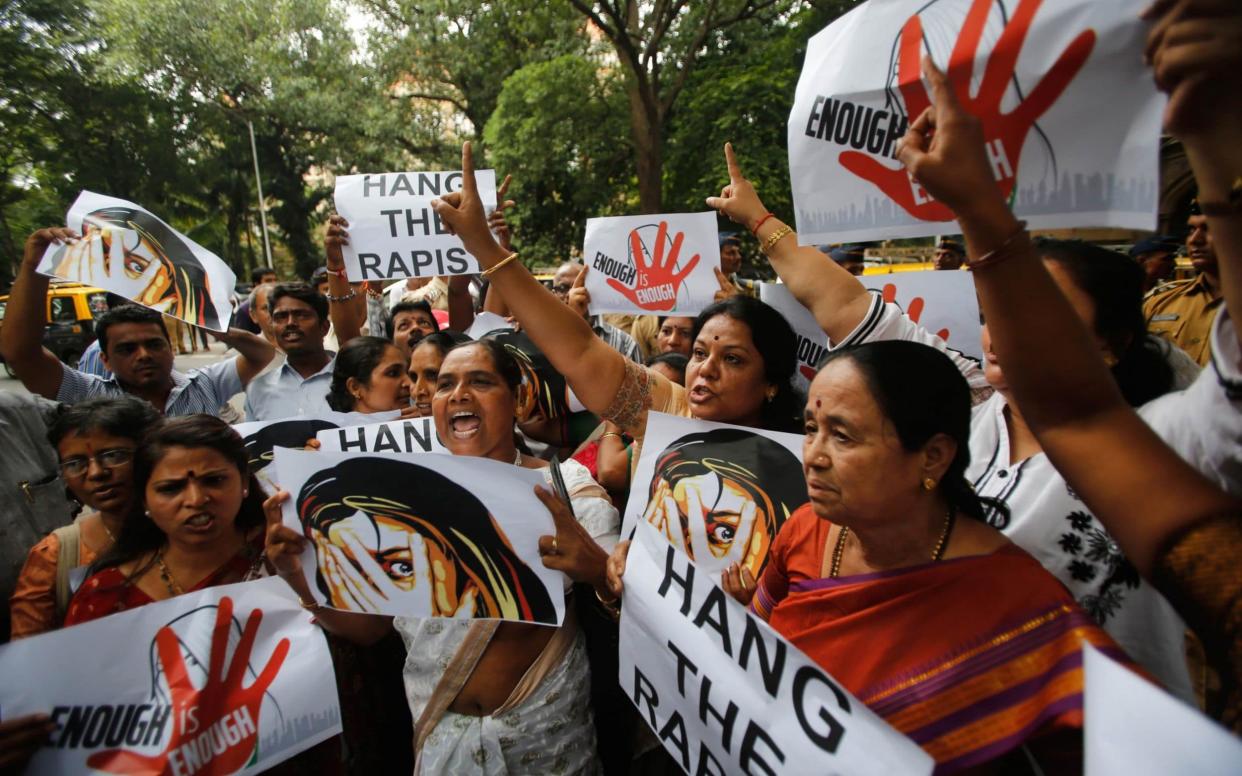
<point x="819" y="403"/>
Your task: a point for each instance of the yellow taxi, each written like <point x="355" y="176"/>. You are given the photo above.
<point x="70" y="315"/>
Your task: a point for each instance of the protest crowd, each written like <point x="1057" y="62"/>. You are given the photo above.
<point x="960" y="533"/>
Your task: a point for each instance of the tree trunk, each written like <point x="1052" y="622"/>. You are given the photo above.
<point x="647" y="128"/>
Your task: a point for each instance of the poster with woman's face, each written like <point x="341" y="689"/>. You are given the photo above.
<point x="421" y="535"/>
<point x="719" y="493"/>
<point x="130" y="252"/>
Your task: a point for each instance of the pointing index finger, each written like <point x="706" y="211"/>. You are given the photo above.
<point x="735" y="172"/>
<point x="580" y="281"/>
<point x="468" y="186"/>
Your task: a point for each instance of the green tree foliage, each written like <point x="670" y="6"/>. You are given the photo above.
<point x="458" y="53"/>
<point x="555" y="129"/>
<point x="741" y="93"/>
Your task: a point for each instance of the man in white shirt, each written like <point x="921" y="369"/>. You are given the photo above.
<point x="299" y="387"/>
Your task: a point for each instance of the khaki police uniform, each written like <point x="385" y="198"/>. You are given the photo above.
<point x="1182" y="312"/>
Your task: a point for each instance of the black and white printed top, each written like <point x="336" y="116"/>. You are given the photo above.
<point x="1035" y="508"/>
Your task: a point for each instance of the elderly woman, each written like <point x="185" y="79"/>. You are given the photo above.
<point x="488" y="696"/>
<point x="1180" y="529"/>
<point x="1026" y="495"/>
<point x="892" y="550"/>
<point x="95" y="441"/>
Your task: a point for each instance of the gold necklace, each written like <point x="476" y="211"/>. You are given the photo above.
<point x="839" y="549"/>
<point x="173" y="588"/>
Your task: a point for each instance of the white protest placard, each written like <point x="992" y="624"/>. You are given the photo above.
<point x="412" y="435"/>
<point x="231" y="679"/>
<point x="942" y="302"/>
<point x="486" y="323"/>
<point x="725" y="693"/>
<point x="1133" y="727"/>
<point x="812" y="341"/>
<point x="719" y="493"/>
<point x="394" y="233"/>
<point x="129" y="251"/>
<point x="422" y="535"/>
<point x="659" y="264"/>
<point x="1070" y="115"/>
<point x="262" y="437"/>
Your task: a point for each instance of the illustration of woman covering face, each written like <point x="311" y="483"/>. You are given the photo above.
<point x="261" y="444"/>
<point x="138" y="256"/>
<point x="386" y="529"/>
<point x="722" y="495"/>
<point x="542" y="393"/>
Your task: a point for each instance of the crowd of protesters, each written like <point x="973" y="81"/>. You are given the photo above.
<point x="1079" y="485"/>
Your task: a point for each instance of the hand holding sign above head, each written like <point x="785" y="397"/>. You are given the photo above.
<point x="101" y="258"/>
<point x="462" y="212"/>
<point x="335" y="235"/>
<point x="1004" y="130"/>
<point x="1195" y="51"/>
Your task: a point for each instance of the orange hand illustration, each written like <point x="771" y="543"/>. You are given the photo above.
<point x="915" y="309"/>
<point x="656" y="284"/>
<point x="1004" y="133"/>
<point x="223" y="713"/>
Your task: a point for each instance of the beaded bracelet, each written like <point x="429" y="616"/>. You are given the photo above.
<point x="487" y="272"/>
<point x="343" y="297"/>
<point x="1013" y="245"/>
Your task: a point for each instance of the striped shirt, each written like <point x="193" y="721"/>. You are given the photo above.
<point x="203" y="390"/>
<point x="617" y="339"/>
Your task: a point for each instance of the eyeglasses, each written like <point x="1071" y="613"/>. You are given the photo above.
<point x="108" y="459"/>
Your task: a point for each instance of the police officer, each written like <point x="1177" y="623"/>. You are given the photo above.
<point x="1182" y="311"/>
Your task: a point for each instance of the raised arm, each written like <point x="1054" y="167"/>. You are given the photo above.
<point x="21" y="336"/>
<point x="836" y="298"/>
<point x="1195" y="51"/>
<point x="254" y="353"/>
<point x="1066" y="394"/>
<point x="591" y="368"/>
<point x="347" y="317"/>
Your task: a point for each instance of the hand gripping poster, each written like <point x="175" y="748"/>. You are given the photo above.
<point x="655" y="265"/>
<point x="422" y="535"/>
<point x="394" y="233"/>
<point x="129" y="251"/>
<point x="725" y="693"/>
<point x="718" y="493"/>
<point x="231" y="679"/>
<point x="1070" y="115"/>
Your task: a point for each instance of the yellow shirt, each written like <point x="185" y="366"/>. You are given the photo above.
<point x="1182" y="312"/>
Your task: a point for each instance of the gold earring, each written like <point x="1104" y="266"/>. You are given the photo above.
<point x="929" y="483"/>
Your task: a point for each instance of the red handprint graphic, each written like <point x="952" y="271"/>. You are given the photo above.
<point x="1004" y="133"/>
<point x="220" y="722"/>
<point x="914" y="310"/>
<point x="656" y="284"/>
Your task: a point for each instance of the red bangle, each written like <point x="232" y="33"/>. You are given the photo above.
<point x="755" y="229"/>
<point x="340" y="273"/>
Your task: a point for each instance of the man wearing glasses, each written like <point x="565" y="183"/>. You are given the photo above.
<point x="299" y="387"/>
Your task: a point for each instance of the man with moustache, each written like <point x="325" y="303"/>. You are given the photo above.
<point x="133" y="343"/>
<point x="1182" y="311"/>
<point x="299" y="317"/>
<point x="409" y="322"/>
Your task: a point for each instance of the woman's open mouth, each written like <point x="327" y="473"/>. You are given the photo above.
<point x="464" y="425"/>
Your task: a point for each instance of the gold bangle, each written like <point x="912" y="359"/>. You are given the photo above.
<point x="776" y="237"/>
<point x="613" y="607"/>
<point x="487" y="272"/>
<point x="1013" y="245"/>
<point x="604" y="436"/>
<point x="312" y="606"/>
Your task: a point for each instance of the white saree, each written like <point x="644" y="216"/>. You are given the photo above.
<point x="548" y="731"/>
